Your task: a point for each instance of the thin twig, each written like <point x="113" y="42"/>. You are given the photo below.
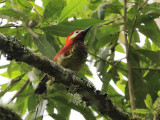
<point x="11" y="84"/>
<point x="3" y="1"/>
<point x="130" y="78"/>
<point x="101" y="25"/>
<point x="10" y="25"/>
<point x="151" y="69"/>
<point x="31" y="32"/>
<point x="107" y="62"/>
<point x="18" y="92"/>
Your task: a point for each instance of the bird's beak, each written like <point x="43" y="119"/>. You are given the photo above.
<point x="84" y="32"/>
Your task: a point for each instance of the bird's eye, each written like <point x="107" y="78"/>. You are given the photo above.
<point x="76" y="32"/>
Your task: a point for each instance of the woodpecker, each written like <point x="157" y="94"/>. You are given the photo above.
<point x="72" y="56"/>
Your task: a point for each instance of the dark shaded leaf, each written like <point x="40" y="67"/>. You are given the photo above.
<point x="154" y="56"/>
<point x="45" y="47"/>
<point x="53" y="8"/>
<point x="151" y="30"/>
<point x="63" y="29"/>
<point x="71" y="7"/>
<point x="11" y="13"/>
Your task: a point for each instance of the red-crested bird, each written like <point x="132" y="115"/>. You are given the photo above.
<point x="72" y="56"/>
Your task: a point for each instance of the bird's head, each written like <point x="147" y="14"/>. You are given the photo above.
<point x="77" y="35"/>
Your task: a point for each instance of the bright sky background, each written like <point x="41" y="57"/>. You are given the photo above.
<point x="96" y="81"/>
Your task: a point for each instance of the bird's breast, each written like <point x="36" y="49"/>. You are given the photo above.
<point x="75" y="58"/>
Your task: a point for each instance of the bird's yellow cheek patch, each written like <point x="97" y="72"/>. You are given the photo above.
<point x="75" y="34"/>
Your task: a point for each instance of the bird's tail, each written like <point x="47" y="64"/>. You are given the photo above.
<point x="42" y="86"/>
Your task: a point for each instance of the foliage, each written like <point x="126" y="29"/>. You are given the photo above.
<point x="55" y="20"/>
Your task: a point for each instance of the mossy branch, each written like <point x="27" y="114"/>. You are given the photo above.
<point x="8" y="114"/>
<point x="96" y="99"/>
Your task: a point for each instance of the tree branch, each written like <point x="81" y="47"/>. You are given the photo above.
<point x="99" y="101"/>
<point x="130" y="78"/>
<point x="7" y="114"/>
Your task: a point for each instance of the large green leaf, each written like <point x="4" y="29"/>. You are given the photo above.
<point x="39" y="9"/>
<point x="53" y="8"/>
<point x="45" y="47"/>
<point x="153" y="83"/>
<point x="63" y="29"/>
<point x="139" y="85"/>
<point x="150" y="29"/>
<point x="152" y="10"/>
<point x="86" y="112"/>
<point x="71" y="7"/>
<point x="142" y="111"/>
<point x="106" y="34"/>
<point x="107" y="8"/>
<point x="11" y="13"/>
<point x="154" y="56"/>
<point x="52" y="40"/>
<point x="148" y="102"/>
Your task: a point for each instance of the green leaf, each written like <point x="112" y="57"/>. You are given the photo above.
<point x="147" y="44"/>
<point x="152" y="10"/>
<point x="45" y="3"/>
<point x="85" y="111"/>
<point x="148" y="102"/>
<point x="113" y="94"/>
<point x="3" y="86"/>
<point x="142" y="111"/>
<point x="63" y="29"/>
<point x="135" y="36"/>
<point x="11" y="13"/>
<point x="106" y="34"/>
<point x="121" y="84"/>
<point x="53" y="8"/>
<point x="22" y="5"/>
<point x="107" y="8"/>
<point x="100" y="65"/>
<point x="85" y="71"/>
<point x="45" y="47"/>
<point x="151" y="30"/>
<point x="153" y="83"/>
<point x="154" y="56"/>
<point x="71" y="8"/>
<point x="39" y="9"/>
<point x="50" y="106"/>
<point x="119" y="48"/>
<point x="32" y="100"/>
<point x="4" y="66"/>
<point x="12" y="74"/>
<point x="52" y="40"/>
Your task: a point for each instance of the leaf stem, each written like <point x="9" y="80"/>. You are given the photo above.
<point x="11" y="85"/>
<point x="151" y="69"/>
<point x="18" y="92"/>
<point x="107" y="62"/>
